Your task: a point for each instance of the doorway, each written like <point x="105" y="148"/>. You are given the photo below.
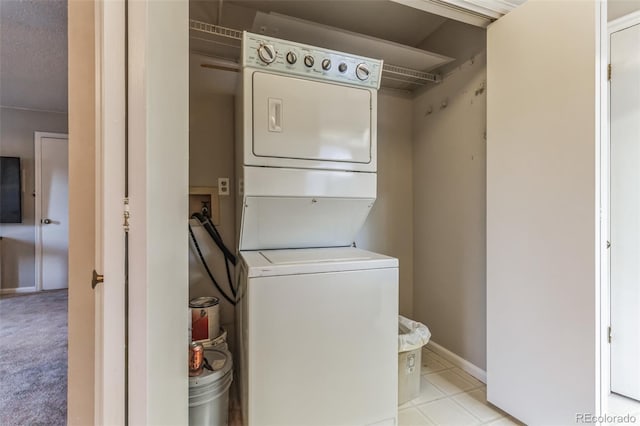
<point x="52" y="210"/>
<point x="624" y="214"/>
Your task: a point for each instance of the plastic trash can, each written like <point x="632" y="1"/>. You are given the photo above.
<point x="412" y="336"/>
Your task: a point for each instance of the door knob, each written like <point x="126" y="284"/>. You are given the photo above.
<point x="96" y="279"/>
<point x="46" y="221"/>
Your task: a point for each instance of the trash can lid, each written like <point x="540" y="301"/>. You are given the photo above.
<point x="220" y="360"/>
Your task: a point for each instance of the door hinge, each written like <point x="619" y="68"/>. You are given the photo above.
<point x="608" y="244"/>
<point x="126" y="215"/>
<point x="609" y="334"/>
<point x="609" y="72"/>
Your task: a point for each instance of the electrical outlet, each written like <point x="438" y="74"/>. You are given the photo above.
<point x="223" y="186"/>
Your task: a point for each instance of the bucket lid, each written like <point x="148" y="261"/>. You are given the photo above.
<point x="214" y="355"/>
<point x="203" y="302"/>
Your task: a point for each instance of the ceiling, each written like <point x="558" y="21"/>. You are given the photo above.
<point x="33" y="54"/>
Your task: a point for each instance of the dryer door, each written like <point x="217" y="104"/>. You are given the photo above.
<point x="300" y="119"/>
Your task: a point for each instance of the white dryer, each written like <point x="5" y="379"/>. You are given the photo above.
<point x="306" y="130"/>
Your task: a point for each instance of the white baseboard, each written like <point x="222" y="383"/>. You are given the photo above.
<point x="458" y="361"/>
<point x="18" y="290"/>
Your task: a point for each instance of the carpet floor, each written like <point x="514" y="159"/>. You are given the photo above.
<point x="33" y="359"/>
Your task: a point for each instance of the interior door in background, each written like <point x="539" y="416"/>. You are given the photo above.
<point x="52" y="198"/>
<point x="625" y="212"/>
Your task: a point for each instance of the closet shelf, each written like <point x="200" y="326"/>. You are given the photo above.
<point x="393" y="76"/>
<point x="216" y="30"/>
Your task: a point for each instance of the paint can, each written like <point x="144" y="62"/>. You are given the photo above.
<point x="205" y="318"/>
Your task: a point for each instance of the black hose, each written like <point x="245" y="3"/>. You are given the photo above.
<point x="206" y="267"/>
<point x="217" y="238"/>
<point x="233" y="288"/>
<point x="226" y="259"/>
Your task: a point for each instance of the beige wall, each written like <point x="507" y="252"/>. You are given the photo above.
<point x="449" y="217"/>
<point x="80" y="394"/>
<point x="17" y="127"/>
<point x="211" y="155"/>
<point x="389" y="227"/>
<point x="619" y="8"/>
<point x="457" y="40"/>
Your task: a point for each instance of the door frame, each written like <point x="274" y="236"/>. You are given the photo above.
<point x="110" y="386"/>
<point x="37" y="144"/>
<point x="616" y="25"/>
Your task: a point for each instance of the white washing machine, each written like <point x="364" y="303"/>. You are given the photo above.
<point x="317" y="318"/>
<point x="320" y="337"/>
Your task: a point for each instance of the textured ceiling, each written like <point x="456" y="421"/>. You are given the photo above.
<point x="33" y="54"/>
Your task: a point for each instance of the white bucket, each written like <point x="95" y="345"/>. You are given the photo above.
<point x="219" y="342"/>
<point x="209" y="392"/>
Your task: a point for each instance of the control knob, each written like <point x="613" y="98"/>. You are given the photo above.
<point x="291" y="58"/>
<point x="308" y="61"/>
<point x="326" y="64"/>
<point x="362" y="72"/>
<point x="267" y="53"/>
<point x="342" y="67"/>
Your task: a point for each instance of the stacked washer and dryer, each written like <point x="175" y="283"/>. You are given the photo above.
<point x="317" y="318"/>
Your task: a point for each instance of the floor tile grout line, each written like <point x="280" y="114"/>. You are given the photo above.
<point x="451" y="397"/>
<point x="474" y="416"/>
<point x="457" y="393"/>
<point x="425" y="416"/>
<point x="440" y="359"/>
<point x="444" y="395"/>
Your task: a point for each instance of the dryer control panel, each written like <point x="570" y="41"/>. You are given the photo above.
<point x="288" y="57"/>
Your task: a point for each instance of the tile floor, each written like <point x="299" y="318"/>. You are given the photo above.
<point x="450" y="397"/>
<point x="621" y="406"/>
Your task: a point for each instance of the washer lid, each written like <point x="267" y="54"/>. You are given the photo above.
<point x="265" y="263"/>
